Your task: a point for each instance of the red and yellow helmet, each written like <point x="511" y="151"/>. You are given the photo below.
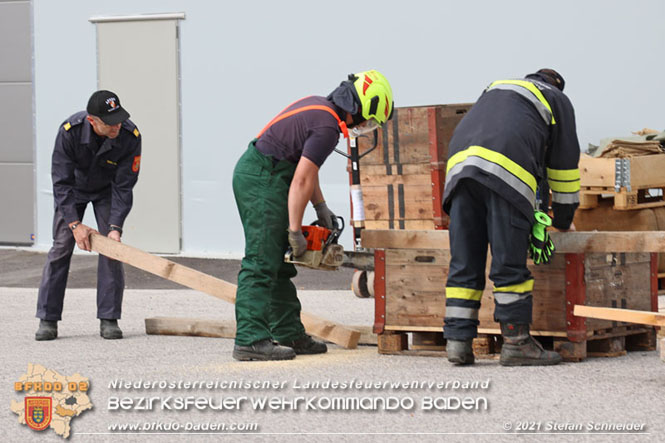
<point x="375" y="95"/>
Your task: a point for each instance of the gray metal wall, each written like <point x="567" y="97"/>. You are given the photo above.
<point x="16" y="124"/>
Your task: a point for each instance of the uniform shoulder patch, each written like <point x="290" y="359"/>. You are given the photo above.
<point x="67" y="126"/>
<point x="136" y="132"/>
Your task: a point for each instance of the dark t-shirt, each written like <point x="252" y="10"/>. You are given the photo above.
<point x="313" y="133"/>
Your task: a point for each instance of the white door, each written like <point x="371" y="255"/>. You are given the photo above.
<point x="138" y="60"/>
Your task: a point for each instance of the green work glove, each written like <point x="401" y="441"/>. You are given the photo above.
<point x="327" y="218"/>
<point x="541" y="246"/>
<point x="297" y="242"/>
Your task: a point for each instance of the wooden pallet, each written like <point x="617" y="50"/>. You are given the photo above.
<point x="411" y="269"/>
<point x="612" y="342"/>
<point x="624" y="200"/>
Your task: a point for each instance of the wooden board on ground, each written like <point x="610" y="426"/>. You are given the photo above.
<point x="197" y="327"/>
<point x="327" y="330"/>
<point x="624" y="315"/>
<point x="565" y="242"/>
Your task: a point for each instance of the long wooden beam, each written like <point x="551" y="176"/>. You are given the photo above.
<point x="327" y="330"/>
<point x="615" y="314"/>
<point x="197" y="327"/>
<point x="577" y="242"/>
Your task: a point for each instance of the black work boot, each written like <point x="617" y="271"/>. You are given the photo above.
<point x="460" y="352"/>
<point x="307" y="345"/>
<point x="48" y="330"/>
<point x="263" y="350"/>
<point x="521" y="349"/>
<point x="109" y="329"/>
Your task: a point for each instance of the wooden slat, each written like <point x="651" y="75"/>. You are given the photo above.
<point x="565" y="242"/>
<point x="626" y="315"/>
<point x="417" y="225"/>
<point x="198" y="327"/>
<point x="327" y="330"/>
<point x="384" y="203"/>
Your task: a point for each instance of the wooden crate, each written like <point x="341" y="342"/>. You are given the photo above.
<point x="410" y="300"/>
<point x="402" y="179"/>
<point x="630" y="182"/>
<point x="605" y="218"/>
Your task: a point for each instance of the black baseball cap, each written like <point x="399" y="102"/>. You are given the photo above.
<point x="106" y="105"/>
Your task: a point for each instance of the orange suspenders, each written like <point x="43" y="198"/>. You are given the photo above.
<point x="283" y="115"/>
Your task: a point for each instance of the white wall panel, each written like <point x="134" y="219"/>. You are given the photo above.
<point x="138" y="60"/>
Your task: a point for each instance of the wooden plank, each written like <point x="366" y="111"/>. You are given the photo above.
<point x="647" y="171"/>
<point x="626" y="315"/>
<point x="596" y="171"/>
<point x="327" y="330"/>
<point x="416" y="225"/>
<point x="409" y="202"/>
<point x="480" y="330"/>
<point x="420" y="176"/>
<point x="566" y="242"/>
<point x="197" y="327"/>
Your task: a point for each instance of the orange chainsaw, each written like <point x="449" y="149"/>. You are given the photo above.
<point x="323" y="251"/>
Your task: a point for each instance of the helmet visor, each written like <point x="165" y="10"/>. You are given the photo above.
<point x="364" y="128"/>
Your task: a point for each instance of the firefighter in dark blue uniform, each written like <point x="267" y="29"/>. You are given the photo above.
<point x="96" y="160"/>
<point x="519" y="133"/>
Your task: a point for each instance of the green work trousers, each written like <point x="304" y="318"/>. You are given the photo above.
<point x="267" y="305"/>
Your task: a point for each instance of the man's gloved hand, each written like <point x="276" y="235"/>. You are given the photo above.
<point x="541" y="247"/>
<point x="327" y="218"/>
<point x="297" y="242"/>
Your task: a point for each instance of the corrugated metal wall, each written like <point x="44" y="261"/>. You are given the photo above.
<point x="16" y="124"/>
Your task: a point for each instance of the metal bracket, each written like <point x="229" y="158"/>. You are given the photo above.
<point x="622" y="174"/>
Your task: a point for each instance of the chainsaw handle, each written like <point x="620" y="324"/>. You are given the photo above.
<point x="340" y="225"/>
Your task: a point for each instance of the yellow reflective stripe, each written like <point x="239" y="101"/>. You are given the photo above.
<point x="563" y="174"/>
<point x="520" y="288"/>
<point x="531" y="87"/>
<point x="136" y="132"/>
<point x="557" y="186"/>
<point x="464" y="293"/>
<point x="67" y="126"/>
<point x="497" y="158"/>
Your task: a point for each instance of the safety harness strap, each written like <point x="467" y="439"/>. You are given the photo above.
<point x="282" y="115"/>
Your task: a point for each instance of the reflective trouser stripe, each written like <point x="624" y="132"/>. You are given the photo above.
<point x="461" y="312"/>
<point x="529" y="91"/>
<point x="496" y="164"/>
<point x="506" y="295"/>
<point x="514" y="302"/>
<point x="464" y="293"/>
<point x="506" y="298"/>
